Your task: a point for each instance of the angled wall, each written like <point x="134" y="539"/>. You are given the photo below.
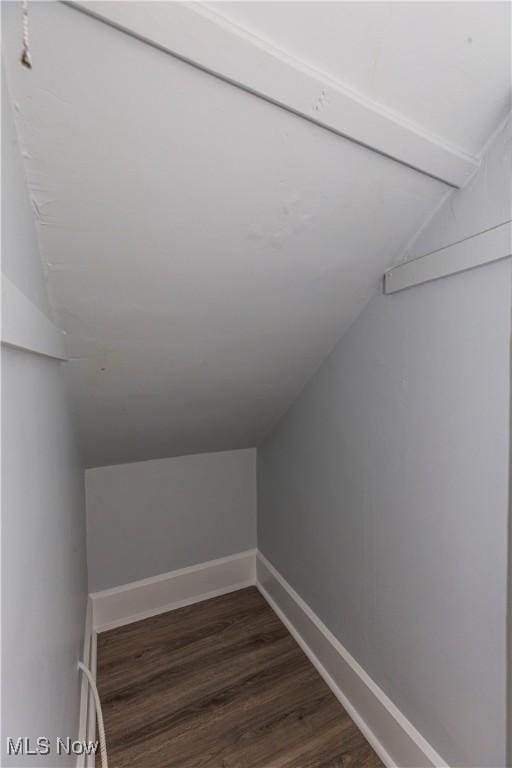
<point x="383" y="491"/>
<point x="43" y="518"/>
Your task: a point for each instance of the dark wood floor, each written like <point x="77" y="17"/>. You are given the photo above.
<point x="220" y="684"/>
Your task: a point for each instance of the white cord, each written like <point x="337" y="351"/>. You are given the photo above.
<point x="99" y="713"/>
<point x="26" y="58"/>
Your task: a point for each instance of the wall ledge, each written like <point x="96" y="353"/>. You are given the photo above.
<point x="25" y="327"/>
<point x="484" y="247"/>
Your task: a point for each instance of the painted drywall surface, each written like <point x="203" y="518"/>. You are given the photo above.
<point x="214" y="249"/>
<point x="408" y="56"/>
<point x="152" y="517"/>
<point x="383" y="497"/>
<point x="44" y="584"/>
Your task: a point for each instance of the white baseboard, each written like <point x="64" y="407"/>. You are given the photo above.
<point x="87" y="716"/>
<point x="393" y="737"/>
<point x="84" y="689"/>
<point x="90" y="760"/>
<point x="140" y="599"/>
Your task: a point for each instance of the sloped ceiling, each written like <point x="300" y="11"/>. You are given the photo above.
<point x="205" y="249"/>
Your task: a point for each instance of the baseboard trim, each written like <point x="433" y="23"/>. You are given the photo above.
<point x="91" y="710"/>
<point x="87" y="716"/>
<point x="393" y="737"/>
<point x="138" y="600"/>
<point x="86" y="652"/>
<point x="391" y="734"/>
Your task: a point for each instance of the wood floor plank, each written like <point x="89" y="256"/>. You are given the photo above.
<point x="220" y="684"/>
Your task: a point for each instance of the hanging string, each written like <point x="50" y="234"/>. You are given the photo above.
<point x="26" y="58"/>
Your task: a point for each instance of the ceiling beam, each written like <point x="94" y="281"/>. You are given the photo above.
<point x="204" y="39"/>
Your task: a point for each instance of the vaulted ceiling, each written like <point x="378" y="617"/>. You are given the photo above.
<point x="205" y="247"/>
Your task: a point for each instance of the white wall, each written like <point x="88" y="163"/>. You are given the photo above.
<point x="383" y="492"/>
<point x="152" y="517"/>
<point x="44" y="581"/>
